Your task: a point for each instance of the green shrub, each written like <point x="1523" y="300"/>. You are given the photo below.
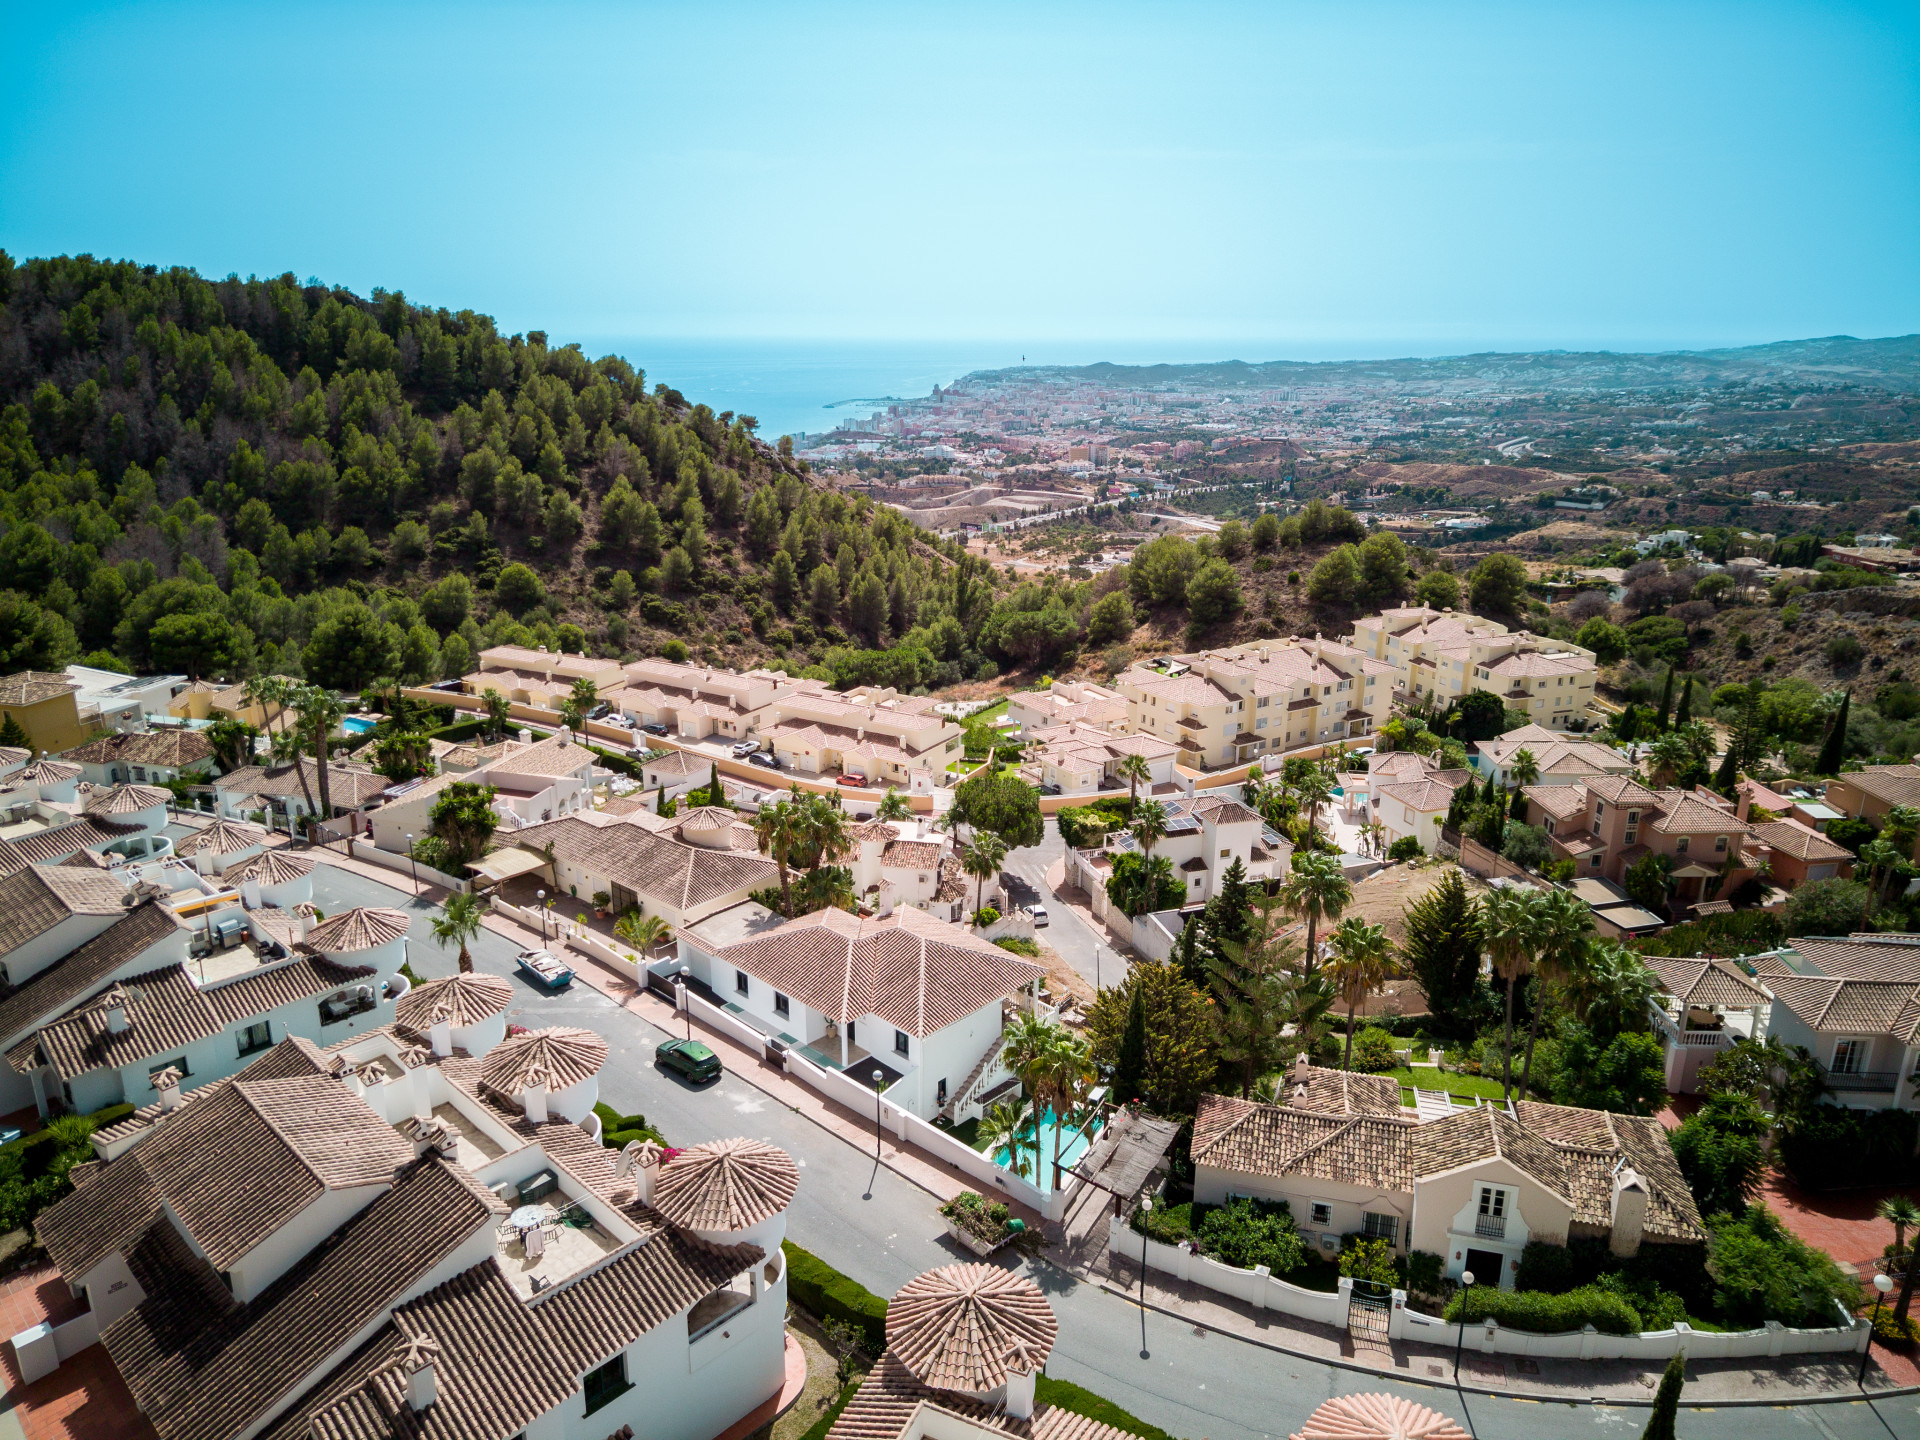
<point x="1832" y="1147"/>
<point x="617" y="1131"/>
<point x="1407" y="847"/>
<point x="1373" y="1050"/>
<point x="1245" y="1233"/>
<point x="1762" y="1271"/>
<point x="985" y="916"/>
<point x="1365" y="1259"/>
<point x="1019" y="946"/>
<point x="819" y="1288"/>
<point x="1546" y="1266"/>
<point x="1543" y="1314"/>
<point x="1169" y="1224"/>
<point x="1424" y="1269"/>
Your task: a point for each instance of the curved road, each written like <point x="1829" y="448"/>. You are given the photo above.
<point x="882" y="1230"/>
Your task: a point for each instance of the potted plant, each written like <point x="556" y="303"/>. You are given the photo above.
<point x="601" y="900"/>
<point x="980" y="1224"/>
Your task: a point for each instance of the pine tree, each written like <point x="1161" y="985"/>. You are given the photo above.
<point x="11" y="734"/>
<point x="1834" y="748"/>
<point x="1130" y="1065"/>
<point x="1749" y="740"/>
<point x="1187" y="954"/>
<point x="1684" y="716"/>
<point x="1442" y="952"/>
<point x="1666" y="1401"/>
<point x="1666" y="699"/>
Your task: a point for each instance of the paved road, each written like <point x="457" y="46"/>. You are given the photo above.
<point x="1078" y="943"/>
<point x="881" y="1230"/>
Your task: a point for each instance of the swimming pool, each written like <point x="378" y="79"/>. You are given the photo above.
<point x="1072" y="1146"/>
<point x="354" y="725"/>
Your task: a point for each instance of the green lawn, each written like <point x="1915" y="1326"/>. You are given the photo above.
<point x="1465" y="1087"/>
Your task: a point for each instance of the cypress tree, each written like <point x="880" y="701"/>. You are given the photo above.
<point x="714" y="793"/>
<point x="1729" y="771"/>
<point x="1130" y="1065"/>
<point x="1684" y="715"/>
<point x="1666" y="1401"/>
<point x="1666" y="698"/>
<point x="1833" y="748"/>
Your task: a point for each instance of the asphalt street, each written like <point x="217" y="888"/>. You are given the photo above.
<point x="1082" y="947"/>
<point x="880" y="1229"/>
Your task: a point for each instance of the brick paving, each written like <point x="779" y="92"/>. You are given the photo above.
<point x="85" y="1399"/>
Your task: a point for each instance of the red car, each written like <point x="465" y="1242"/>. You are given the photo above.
<point x="855" y="782"/>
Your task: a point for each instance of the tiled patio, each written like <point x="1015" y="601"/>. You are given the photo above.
<point x="85" y="1399"/>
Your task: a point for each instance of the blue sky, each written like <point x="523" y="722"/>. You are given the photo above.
<point x="1317" y="177"/>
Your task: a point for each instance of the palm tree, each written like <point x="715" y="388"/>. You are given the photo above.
<point x="893" y="806"/>
<point x="1134" y="770"/>
<point x="573" y="716"/>
<point x="1149" y="825"/>
<point x="1901" y="827"/>
<point x="1566" y="922"/>
<point x="1004" y="1127"/>
<point x="823" y="831"/>
<point x="270" y="693"/>
<point x="1363" y="960"/>
<point x="646" y="933"/>
<point x="1314" y="789"/>
<point x="983" y="862"/>
<point x="1068" y="1075"/>
<point x="1159" y="879"/>
<point x="499" y="711"/>
<point x="320" y="711"/>
<point x="456" y="924"/>
<point x="1667" y="756"/>
<point x="1880" y="857"/>
<point x="1524" y="769"/>
<point x="1510" y="925"/>
<point x="778" y="829"/>
<point x="1900" y="1212"/>
<point x="1316" y="889"/>
<point x="1026" y="1054"/>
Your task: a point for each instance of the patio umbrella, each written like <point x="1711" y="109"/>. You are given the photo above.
<point x="1377" y="1417"/>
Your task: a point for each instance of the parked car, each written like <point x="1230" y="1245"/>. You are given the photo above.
<point x="1039" y="914"/>
<point x="655" y="728"/>
<point x="689" y="1058"/>
<point x="744" y="747"/>
<point x="853" y="782"/>
<point x="765" y="759"/>
<point x="600" y="711"/>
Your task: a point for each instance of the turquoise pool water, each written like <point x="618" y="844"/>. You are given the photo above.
<point x="355" y="726"/>
<point x="1072" y="1146"/>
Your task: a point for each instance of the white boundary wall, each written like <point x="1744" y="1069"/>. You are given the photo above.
<point x="1258" y="1288"/>
<point x="359" y="848"/>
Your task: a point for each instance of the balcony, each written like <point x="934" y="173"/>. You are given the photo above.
<point x="1862" y="1082"/>
<point x="1490" y="1227"/>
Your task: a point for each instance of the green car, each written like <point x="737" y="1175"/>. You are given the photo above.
<point x="690" y="1058"/>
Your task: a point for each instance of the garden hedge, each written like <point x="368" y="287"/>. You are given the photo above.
<point x="1833" y="1147"/>
<point x="817" y="1287"/>
<point x="1542" y="1314"/>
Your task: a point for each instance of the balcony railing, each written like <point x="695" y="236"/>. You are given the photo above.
<point x="1490" y="1227"/>
<point x="1883" y="1082"/>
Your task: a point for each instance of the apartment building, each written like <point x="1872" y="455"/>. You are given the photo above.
<point x="1440" y="655"/>
<point x="539" y="677"/>
<point x="1227" y="707"/>
<point x="1081" y="759"/>
<point x="1605" y="826"/>
<point x="1067" y="702"/>
<point x="881" y="736"/>
<point x="1557" y="758"/>
<point x="533" y="782"/>
<point x="419" y="1232"/>
<point x="697" y="701"/>
<point x="1870" y="793"/>
<point x="46" y="706"/>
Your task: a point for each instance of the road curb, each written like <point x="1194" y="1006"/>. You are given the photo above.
<point x="1132" y="1297"/>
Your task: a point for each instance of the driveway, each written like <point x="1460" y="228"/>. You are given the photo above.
<point x="880" y="1229"/>
<point x="1087" y="951"/>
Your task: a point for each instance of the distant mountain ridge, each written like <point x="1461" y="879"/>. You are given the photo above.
<point x="1891" y="363"/>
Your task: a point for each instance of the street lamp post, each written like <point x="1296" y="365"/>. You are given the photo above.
<point x="1146" y="1209"/>
<point x="1882" y="1284"/>
<point x="878" y="1076"/>
<point x="686" y="1001"/>
<point x="541" y="897"/>
<point x="414" y="864"/>
<point x="1466" y="1282"/>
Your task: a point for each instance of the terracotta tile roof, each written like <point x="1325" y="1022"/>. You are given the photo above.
<point x="965" y="1327"/>
<point x="1856" y="1007"/>
<point x="1342" y="1092"/>
<point x="1683" y="814"/>
<point x="199" y="1369"/>
<point x="86" y="968"/>
<point x="1535" y="664"/>
<point x="1705" y="982"/>
<point x="677" y="762"/>
<point x="307" y="977"/>
<point x="362" y="928"/>
<point x="273" y="867"/>
<point x="655" y="867"/>
<point x="911" y="855"/>
<point x="1594" y="1142"/>
<point x="1431" y="794"/>
<point x="1879" y="957"/>
<point x="1233" y="1134"/>
<point x="46" y="772"/>
<point x="1563" y="802"/>
<point x="1622" y="790"/>
<point x="35" y="898"/>
<point x="889" y="1399"/>
<point x="171" y="748"/>
<point x="30" y="687"/>
<point x="1801" y="841"/>
<point x="875" y="830"/>
<point x="127" y="799"/>
<point x="1894" y="784"/>
<point x="351" y="786"/>
<point x="89" y="832"/>
<point x="1219" y="811"/>
<point x="14" y="755"/>
<point x="560" y="1055"/>
<point x="222" y="837"/>
<point x="553" y="757"/>
<point x="725" y="1185"/>
<point x="917" y="973"/>
<point x="707" y="817"/>
<point x="467" y="999"/>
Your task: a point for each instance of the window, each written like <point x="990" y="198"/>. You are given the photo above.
<point x="1680" y="846"/>
<point x="1320" y="1212"/>
<point x="1719" y="844"/>
<point x="180" y="1064"/>
<point x="900" y="1042"/>
<point x="1492" y="1219"/>
<point x="607" y="1384"/>
<point x="257" y="1036"/>
<point x="1594" y="861"/>
<point x="1225" y="853"/>
<point x="781" y="1005"/>
<point x="739" y="982"/>
<point x="1381" y="1227"/>
<point x="1847" y="1056"/>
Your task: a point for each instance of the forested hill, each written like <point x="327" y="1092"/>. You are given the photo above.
<point x="227" y="477"/>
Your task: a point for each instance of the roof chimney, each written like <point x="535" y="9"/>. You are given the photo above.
<point x="300" y="921"/>
<point x="534" y="1098"/>
<point x="526" y="736"/>
<point x="640" y="1159"/>
<point x="167" y="1084"/>
<point x="117" y="1022"/>
<point x="1629" y="1210"/>
<point x="1020" y="1385"/>
<point x="440" y="1032"/>
<point x="417" y="1363"/>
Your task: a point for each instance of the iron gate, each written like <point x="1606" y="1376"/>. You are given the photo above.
<point x="1369" y="1307"/>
